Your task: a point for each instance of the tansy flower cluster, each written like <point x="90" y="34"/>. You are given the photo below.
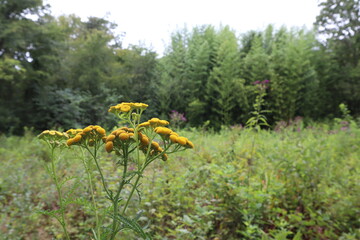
<point x="154" y="122"/>
<point x="55" y="138"/>
<point x="155" y="148"/>
<point x="127" y="107"/>
<point x="168" y="134"/>
<point x="118" y="138"/>
<point x="89" y="135"/>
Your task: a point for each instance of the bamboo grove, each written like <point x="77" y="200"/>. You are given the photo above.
<point x="61" y="71"/>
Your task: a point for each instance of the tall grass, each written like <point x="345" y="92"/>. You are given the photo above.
<point x="237" y="184"/>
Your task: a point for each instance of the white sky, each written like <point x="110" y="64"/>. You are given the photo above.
<point x="151" y="22"/>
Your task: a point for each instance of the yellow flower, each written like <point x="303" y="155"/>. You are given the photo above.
<point x="163" y="122"/>
<point x="173" y="138"/>
<point x="109" y="146"/>
<point x="144" y="124"/>
<point x="69" y="142"/>
<point x="111" y="137"/>
<point x="145" y="140"/>
<point x="154" y="121"/>
<point x="87" y="129"/>
<point x="77" y="138"/>
<point x="181" y="140"/>
<point x="155" y="145"/>
<point x="190" y="144"/>
<point x="124" y="136"/>
<point x="101" y="130"/>
<point x="125" y="108"/>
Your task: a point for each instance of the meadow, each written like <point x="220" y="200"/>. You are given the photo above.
<point x="294" y="182"/>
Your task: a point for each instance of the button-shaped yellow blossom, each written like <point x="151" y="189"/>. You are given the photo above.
<point x="109" y="146"/>
<point x="163" y="122"/>
<point x="163" y="130"/>
<point x="90" y="135"/>
<point x="111" y="137"/>
<point x="190" y="144"/>
<point x="101" y="130"/>
<point x="144" y="124"/>
<point x="155" y="145"/>
<point x="77" y="138"/>
<point x="87" y="129"/>
<point x="124" y="136"/>
<point x="53" y="137"/>
<point x="69" y="142"/>
<point x="145" y="140"/>
<point x="126" y="107"/>
<point x="173" y="138"/>
<point x="154" y="121"/>
<point x="181" y="140"/>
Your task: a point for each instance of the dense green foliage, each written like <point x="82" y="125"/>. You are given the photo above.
<point x="59" y="72"/>
<point x="293" y="183"/>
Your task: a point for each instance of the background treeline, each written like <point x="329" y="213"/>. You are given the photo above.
<point x="61" y="72"/>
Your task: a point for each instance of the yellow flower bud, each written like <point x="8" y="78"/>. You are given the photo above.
<point x="190" y="144"/>
<point x="77" y="138"/>
<point x="100" y="130"/>
<point x="164" y="157"/>
<point x="87" y="129"/>
<point x="144" y="124"/>
<point x="109" y="146"/>
<point x="125" y="108"/>
<point x="59" y="133"/>
<point x="181" y="140"/>
<point x="173" y="138"/>
<point x="145" y="140"/>
<point x="124" y="136"/>
<point x="154" y="120"/>
<point x="111" y="137"/>
<point x="155" y="145"/>
<point x="69" y="142"/>
<point x="163" y="122"/>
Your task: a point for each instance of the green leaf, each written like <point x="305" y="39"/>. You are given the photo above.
<point x="133" y="225"/>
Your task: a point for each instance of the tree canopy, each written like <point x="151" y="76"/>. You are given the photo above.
<point x="61" y="71"/>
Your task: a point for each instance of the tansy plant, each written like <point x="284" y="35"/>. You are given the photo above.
<point x="135" y="145"/>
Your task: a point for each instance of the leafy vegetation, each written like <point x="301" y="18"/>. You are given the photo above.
<point x="301" y="183"/>
<point x="60" y="72"/>
<point x="291" y="173"/>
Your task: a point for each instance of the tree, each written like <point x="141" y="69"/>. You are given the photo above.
<point x="220" y="86"/>
<point x="17" y="34"/>
<point x="339" y="22"/>
<point x="293" y="79"/>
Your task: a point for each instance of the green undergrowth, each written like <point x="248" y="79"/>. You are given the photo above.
<point x="236" y="184"/>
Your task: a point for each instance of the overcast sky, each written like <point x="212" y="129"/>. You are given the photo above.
<point x="151" y="22"/>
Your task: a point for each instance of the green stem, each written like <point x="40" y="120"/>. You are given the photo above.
<point x="132" y="192"/>
<point x="116" y="198"/>
<point x="89" y="175"/>
<point x="101" y="174"/>
<point x="62" y="221"/>
<point x="139" y="176"/>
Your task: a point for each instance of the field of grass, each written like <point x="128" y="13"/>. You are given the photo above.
<point x="236" y="184"/>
